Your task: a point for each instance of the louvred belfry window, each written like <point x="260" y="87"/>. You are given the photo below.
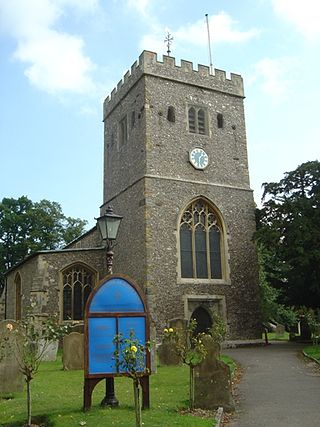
<point x="201" y="242"/>
<point x="197" y="120"/>
<point x="78" y="282"/>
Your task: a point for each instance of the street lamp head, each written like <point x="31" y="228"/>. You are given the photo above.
<point x="109" y="224"/>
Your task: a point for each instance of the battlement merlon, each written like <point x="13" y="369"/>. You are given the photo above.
<point x="167" y="69"/>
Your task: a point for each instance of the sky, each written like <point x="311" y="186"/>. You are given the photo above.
<point x="59" y="59"/>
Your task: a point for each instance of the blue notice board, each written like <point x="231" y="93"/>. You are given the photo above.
<point x="114" y="307"/>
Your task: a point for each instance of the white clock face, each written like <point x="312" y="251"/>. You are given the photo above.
<point x="198" y="158"/>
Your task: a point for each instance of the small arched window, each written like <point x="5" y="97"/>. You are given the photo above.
<point x="201" y="245"/>
<point x="78" y="282"/>
<point x="220" y="120"/>
<point x="171" y="116"/>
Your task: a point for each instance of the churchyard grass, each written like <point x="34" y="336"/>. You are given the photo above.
<point x="272" y="336"/>
<point x="313" y="351"/>
<point x="57" y="399"/>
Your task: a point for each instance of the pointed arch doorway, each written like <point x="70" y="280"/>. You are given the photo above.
<point x="203" y="319"/>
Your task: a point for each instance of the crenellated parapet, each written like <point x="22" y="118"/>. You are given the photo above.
<point x="148" y="64"/>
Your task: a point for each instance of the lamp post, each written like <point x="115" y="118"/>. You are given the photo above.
<point x="108" y="225"/>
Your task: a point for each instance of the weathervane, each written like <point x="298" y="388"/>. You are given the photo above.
<point x="168" y="40"/>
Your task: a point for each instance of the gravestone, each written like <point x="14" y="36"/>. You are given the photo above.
<point x="167" y="355"/>
<point x="78" y="328"/>
<point x="280" y="330"/>
<point x="213" y="380"/>
<point x="73" y="351"/>
<point x="166" y="352"/>
<point x="50" y="352"/>
<point x="11" y="379"/>
<point x="178" y="324"/>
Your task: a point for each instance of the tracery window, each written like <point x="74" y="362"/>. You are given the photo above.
<point x="201" y="242"/>
<point x="197" y="120"/>
<point x="78" y="282"/>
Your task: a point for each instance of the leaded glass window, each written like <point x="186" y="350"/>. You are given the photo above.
<point x="200" y="242"/>
<point x="78" y="282"/>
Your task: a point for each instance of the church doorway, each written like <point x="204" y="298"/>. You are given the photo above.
<point x="203" y="319"/>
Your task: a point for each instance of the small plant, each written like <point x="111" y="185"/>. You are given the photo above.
<point x="130" y="358"/>
<point x="189" y="348"/>
<point x="218" y="330"/>
<point x="29" y="342"/>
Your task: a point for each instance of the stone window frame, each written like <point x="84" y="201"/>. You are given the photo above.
<point x="225" y="277"/>
<point x="197" y="119"/>
<point x="63" y="284"/>
<point x="193" y="301"/>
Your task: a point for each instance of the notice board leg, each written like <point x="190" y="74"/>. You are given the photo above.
<point x="89" y="385"/>
<point x="145" y="392"/>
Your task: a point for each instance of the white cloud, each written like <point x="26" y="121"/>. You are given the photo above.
<point x="140" y="5"/>
<point x="222" y="29"/>
<point x="56" y="60"/>
<point x="304" y="15"/>
<point x="274" y="75"/>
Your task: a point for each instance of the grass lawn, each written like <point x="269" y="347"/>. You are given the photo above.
<point x="313" y="351"/>
<point x="272" y="336"/>
<point x="57" y="396"/>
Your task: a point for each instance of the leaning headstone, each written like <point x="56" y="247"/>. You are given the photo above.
<point x="11" y="379"/>
<point x="280" y="330"/>
<point x="73" y="351"/>
<point x="213" y="380"/>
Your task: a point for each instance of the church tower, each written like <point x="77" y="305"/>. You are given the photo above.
<point x="175" y="166"/>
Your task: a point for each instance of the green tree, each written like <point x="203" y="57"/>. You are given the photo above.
<point x="29" y="343"/>
<point x="189" y="347"/>
<point x="130" y="357"/>
<point x="27" y="227"/>
<point x="288" y="228"/>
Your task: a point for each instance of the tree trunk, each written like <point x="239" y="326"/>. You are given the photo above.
<point x="137" y="401"/>
<point x="29" y="400"/>
<point x="191" y="388"/>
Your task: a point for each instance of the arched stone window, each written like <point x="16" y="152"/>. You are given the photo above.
<point x="78" y="281"/>
<point x="18" y="292"/>
<point x="201" y="242"/>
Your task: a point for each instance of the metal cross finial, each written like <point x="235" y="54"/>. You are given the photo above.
<point x="168" y="40"/>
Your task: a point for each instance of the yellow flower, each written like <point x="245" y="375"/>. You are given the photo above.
<point x="9" y="326"/>
<point x="170" y="329"/>
<point x="133" y="348"/>
<point x="165" y="330"/>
